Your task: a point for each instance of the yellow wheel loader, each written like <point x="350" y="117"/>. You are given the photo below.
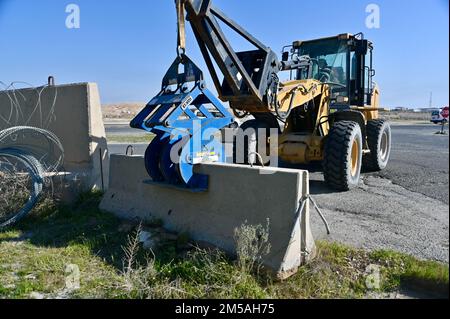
<point x="325" y="109"/>
<point x="331" y="109"/>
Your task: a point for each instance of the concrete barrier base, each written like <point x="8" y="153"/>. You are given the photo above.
<point x="237" y="195"/>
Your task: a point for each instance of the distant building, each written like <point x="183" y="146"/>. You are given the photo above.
<point x="415" y="110"/>
<point x="401" y="109"/>
<point x="428" y="110"/>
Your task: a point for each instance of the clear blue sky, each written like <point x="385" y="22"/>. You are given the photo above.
<point x="126" y="46"/>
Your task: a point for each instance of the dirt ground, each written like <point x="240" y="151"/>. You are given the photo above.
<point x="122" y="110"/>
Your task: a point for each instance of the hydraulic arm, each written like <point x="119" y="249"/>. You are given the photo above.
<point x="330" y="94"/>
<point x="250" y="78"/>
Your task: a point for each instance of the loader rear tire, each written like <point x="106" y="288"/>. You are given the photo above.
<point x="379" y="139"/>
<point x="343" y="156"/>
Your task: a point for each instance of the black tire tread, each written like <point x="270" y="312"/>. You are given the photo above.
<point x="336" y="156"/>
<point x="373" y="129"/>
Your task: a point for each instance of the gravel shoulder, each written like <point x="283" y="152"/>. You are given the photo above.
<point x="382" y="215"/>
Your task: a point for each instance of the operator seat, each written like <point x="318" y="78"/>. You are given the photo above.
<point x="324" y="71"/>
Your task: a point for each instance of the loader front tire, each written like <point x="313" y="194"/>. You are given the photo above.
<point x="379" y="139"/>
<point x="343" y="156"/>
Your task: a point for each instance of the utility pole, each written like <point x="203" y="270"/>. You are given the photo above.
<point x="431" y="100"/>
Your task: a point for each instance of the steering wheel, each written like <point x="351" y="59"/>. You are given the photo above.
<point x="325" y="75"/>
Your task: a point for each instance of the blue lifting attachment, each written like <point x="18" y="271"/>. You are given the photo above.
<point x="185" y="118"/>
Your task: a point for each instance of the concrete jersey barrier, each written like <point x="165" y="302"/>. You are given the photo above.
<point x="237" y="195"/>
<point x="73" y="113"/>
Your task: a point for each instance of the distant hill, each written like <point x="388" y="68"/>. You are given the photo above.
<point x="122" y="110"/>
<point x="129" y="110"/>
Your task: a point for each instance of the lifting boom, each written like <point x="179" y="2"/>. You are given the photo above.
<point x="329" y="106"/>
<point x="249" y="78"/>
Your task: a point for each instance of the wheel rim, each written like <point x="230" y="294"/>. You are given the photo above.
<point x="355" y="158"/>
<point x="384" y="146"/>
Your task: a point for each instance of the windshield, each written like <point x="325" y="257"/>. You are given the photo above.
<point x="329" y="62"/>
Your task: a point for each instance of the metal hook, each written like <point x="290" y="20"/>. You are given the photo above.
<point x="51" y="80"/>
<point x="181" y="52"/>
<point x="129" y="151"/>
<point x="259" y="157"/>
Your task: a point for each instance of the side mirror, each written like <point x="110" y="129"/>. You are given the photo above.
<point x="285" y="56"/>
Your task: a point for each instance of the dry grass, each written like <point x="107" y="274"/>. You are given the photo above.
<point x="15" y="189"/>
<point x="35" y="255"/>
<point x="252" y="245"/>
<point x="406" y="116"/>
<point x="132" y="139"/>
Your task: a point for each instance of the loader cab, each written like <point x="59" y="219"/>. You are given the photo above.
<point x="343" y="62"/>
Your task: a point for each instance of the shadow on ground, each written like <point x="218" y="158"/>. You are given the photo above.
<point x="317" y="183"/>
<point x="81" y="224"/>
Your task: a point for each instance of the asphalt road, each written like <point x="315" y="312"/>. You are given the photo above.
<point x="420" y="161"/>
<point x="404" y="208"/>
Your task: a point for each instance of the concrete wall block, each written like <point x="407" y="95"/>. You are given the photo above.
<point x="73" y="113"/>
<point x="236" y="195"/>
